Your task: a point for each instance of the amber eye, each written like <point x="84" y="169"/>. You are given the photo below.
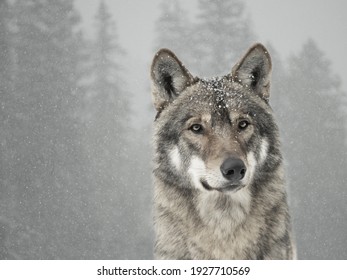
<point x="243" y="124"/>
<point x="197" y="128"/>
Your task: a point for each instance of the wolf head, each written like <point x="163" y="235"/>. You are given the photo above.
<point x="214" y="134"/>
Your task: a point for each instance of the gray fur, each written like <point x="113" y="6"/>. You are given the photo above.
<point x="195" y="222"/>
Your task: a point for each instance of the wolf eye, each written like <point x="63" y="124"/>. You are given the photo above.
<point x="196" y="128"/>
<point x="243" y="124"/>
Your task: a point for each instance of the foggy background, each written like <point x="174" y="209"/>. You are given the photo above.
<point x="76" y="116"/>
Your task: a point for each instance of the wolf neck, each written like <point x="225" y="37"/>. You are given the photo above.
<point x="224" y="212"/>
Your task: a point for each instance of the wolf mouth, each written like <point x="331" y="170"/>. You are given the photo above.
<point x="227" y="188"/>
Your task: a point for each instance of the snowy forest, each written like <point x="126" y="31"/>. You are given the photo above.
<point x="75" y="176"/>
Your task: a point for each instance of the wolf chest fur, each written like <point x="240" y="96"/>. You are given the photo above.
<point x="218" y="172"/>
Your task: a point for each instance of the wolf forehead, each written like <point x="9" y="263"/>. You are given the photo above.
<point x="217" y="93"/>
<point x="218" y="97"/>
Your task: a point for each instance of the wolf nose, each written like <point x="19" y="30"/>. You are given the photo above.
<point x="233" y="169"/>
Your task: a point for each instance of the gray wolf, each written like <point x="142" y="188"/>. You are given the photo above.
<point x="218" y="173"/>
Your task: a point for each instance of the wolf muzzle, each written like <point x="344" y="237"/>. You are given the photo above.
<point x="233" y="169"/>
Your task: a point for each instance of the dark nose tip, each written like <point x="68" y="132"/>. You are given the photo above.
<point x="233" y="169"/>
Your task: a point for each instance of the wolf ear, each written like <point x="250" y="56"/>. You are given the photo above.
<point x="169" y="78"/>
<point x="254" y="70"/>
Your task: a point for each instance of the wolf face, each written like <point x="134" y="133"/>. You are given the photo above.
<point x="214" y="134"/>
<point x="218" y="172"/>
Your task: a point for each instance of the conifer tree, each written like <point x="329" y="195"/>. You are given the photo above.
<point x="173" y="27"/>
<point x="48" y="161"/>
<point x="211" y="42"/>
<point x="4" y="48"/>
<point x="316" y="151"/>
<point x="108" y="139"/>
<point x="177" y="32"/>
<point x="6" y="192"/>
<point x="4" y="77"/>
<point x="222" y="34"/>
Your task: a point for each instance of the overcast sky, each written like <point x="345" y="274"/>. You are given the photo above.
<point x="285" y="24"/>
